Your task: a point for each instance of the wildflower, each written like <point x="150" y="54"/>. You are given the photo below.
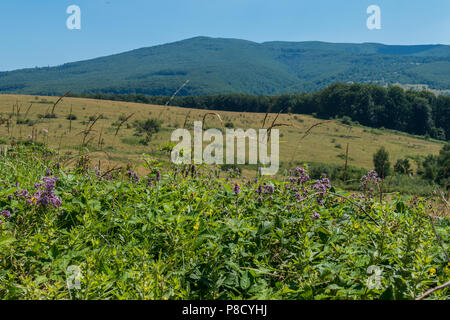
<point x="45" y="130"/>
<point x="6" y="213"/>
<point x="315" y="216"/>
<point x="30" y="136"/>
<point x="24" y="193"/>
<point x="302" y="175"/>
<point x="322" y="186"/>
<point x="370" y="179"/>
<point x="269" y="189"/>
<point x="158" y="176"/>
<point x="197" y="225"/>
<point x="48" y="172"/>
<point x="259" y="190"/>
<point x="432" y="271"/>
<point x="133" y="175"/>
<point x="47" y="196"/>
<point x="237" y="189"/>
<point x="356" y="226"/>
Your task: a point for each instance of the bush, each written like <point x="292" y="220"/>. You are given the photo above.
<point x="147" y="128"/>
<point x="381" y="162"/>
<point x="403" y="166"/>
<point x="229" y="125"/>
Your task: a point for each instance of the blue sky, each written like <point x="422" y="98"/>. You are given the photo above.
<point x="34" y="33"/>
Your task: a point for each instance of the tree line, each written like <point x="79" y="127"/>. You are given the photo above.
<point x="415" y="112"/>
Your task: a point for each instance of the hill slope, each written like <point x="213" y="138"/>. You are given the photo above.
<point x="230" y="65"/>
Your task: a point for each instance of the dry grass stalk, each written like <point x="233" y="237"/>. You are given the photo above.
<point x="426" y="294"/>
<point x="186" y="119"/>
<point x="212" y="113"/>
<point x="63" y="96"/>
<point x="176" y="92"/>
<point x="28" y="110"/>
<point x="122" y="122"/>
<point x="268" y="111"/>
<point x="307" y="132"/>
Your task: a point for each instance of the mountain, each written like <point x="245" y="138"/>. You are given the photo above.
<point x="216" y="65"/>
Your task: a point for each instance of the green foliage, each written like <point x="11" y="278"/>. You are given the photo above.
<point x="147" y="128"/>
<point x="188" y="235"/>
<point x="403" y="166"/>
<point x="437" y="168"/>
<point x="229" y="124"/>
<point x="381" y="162"/>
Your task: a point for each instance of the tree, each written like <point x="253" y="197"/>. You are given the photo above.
<point x="381" y="162"/>
<point x="443" y="162"/>
<point x="402" y="166"/>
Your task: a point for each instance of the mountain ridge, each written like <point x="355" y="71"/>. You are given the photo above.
<point x="223" y="65"/>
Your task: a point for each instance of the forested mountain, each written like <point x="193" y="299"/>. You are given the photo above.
<point x="218" y="66"/>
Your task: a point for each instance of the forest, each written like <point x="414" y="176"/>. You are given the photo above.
<point x="414" y="112"/>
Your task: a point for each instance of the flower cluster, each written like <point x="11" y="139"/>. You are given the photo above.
<point x="133" y="175"/>
<point x="43" y="197"/>
<point x="315" y="216"/>
<point x="369" y="181"/>
<point x="299" y="176"/>
<point x="234" y="173"/>
<point x="322" y="186"/>
<point x="47" y="196"/>
<point x="5" y="213"/>
<point x="237" y="189"/>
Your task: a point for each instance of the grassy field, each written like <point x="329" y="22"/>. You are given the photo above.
<point x="326" y="142"/>
<point x="187" y="232"/>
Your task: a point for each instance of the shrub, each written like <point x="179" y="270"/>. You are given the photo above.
<point x="381" y="162"/>
<point x="146" y="128"/>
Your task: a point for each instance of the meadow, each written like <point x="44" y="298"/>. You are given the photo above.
<point x="302" y="138"/>
<point x="76" y="196"/>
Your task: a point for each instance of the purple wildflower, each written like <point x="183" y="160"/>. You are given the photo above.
<point x="269" y="189"/>
<point x="315" y="216"/>
<point x="6" y="213"/>
<point x="237" y="189"/>
<point x="47" y="196"/>
<point x="133" y="175"/>
<point x="259" y="190"/>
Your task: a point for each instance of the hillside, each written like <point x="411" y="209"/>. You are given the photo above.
<point x="324" y="146"/>
<point x="238" y="66"/>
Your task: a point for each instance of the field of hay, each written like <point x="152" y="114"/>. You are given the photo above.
<point x="325" y="143"/>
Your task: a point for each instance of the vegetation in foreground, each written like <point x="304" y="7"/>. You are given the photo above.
<point x="183" y="233"/>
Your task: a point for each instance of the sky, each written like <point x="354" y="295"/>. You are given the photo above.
<point x="34" y="32"/>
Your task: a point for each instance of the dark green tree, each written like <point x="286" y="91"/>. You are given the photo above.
<point x="402" y="166"/>
<point x="381" y="162"/>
